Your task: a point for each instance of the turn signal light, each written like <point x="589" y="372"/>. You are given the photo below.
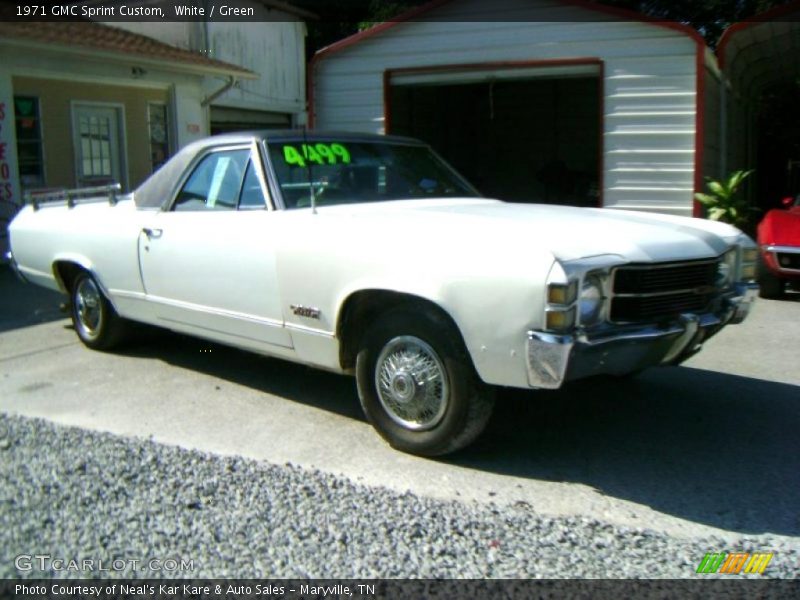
<point x="560" y="320"/>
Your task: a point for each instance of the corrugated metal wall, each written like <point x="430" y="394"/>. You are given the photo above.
<point x="649" y="84"/>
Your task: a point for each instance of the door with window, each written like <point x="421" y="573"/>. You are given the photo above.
<point x="209" y="262"/>
<point x="98" y="145"/>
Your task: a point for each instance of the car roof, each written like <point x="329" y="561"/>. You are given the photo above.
<point x="160" y="186"/>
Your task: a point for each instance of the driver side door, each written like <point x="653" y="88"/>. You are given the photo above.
<point x="208" y="263"/>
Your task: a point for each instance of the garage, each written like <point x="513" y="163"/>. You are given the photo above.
<point x="490" y="120"/>
<point x="760" y="62"/>
<point x="562" y="102"/>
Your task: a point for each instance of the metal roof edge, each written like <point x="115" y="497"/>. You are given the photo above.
<point x="763" y="17"/>
<point x="151" y="61"/>
<point x="622" y="13"/>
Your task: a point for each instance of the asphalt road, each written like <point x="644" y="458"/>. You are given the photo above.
<point x="709" y="447"/>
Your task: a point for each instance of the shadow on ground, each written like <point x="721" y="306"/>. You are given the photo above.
<point x="708" y="447"/>
<point x="22" y="305"/>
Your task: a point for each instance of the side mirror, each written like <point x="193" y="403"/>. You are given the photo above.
<point x="787" y="202"/>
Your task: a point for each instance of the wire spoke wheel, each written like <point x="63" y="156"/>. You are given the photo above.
<point x="412" y="383"/>
<point x="417" y="384"/>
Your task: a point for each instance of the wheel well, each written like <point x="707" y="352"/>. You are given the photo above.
<point x="362" y="308"/>
<point x="66" y="272"/>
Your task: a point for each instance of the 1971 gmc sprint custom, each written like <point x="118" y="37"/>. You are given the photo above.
<point x="369" y="255"/>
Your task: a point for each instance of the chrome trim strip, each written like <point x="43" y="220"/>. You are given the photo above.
<point x="783" y="249"/>
<point x="310" y="330"/>
<point x="693" y="290"/>
<point x="669" y="265"/>
<point x="215" y="311"/>
<point x="127" y="294"/>
<point x="219" y="331"/>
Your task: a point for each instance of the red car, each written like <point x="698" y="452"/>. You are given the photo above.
<point x="779" y="240"/>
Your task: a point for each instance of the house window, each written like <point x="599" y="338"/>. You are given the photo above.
<point x="29" y="141"/>
<point x="159" y="138"/>
<point x="98" y="145"/>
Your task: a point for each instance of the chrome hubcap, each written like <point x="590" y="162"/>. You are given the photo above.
<point x="88" y="307"/>
<point x="412" y="383"/>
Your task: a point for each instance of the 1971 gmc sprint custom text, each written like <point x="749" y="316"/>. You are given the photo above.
<point x="369" y="255"/>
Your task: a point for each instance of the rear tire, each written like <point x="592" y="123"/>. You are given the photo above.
<point x="417" y="384"/>
<point x="96" y="322"/>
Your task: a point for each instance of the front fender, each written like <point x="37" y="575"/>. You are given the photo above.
<point x="493" y="312"/>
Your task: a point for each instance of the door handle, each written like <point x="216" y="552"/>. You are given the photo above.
<point x="152" y="233"/>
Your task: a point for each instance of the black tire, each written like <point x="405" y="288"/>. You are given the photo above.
<point x="457" y="404"/>
<point x="769" y="285"/>
<point x="96" y="322"/>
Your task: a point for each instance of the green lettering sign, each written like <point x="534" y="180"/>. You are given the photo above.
<point x="320" y="154"/>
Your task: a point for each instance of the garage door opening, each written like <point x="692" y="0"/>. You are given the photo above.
<point x="521" y="135"/>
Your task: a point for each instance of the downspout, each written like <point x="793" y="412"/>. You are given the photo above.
<point x="232" y="81"/>
<point x="723" y="128"/>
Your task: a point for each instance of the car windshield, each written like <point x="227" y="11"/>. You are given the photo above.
<point x="346" y="172"/>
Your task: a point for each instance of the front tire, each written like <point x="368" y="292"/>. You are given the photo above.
<point x="417" y="384"/>
<point x="769" y="285"/>
<point x="95" y="321"/>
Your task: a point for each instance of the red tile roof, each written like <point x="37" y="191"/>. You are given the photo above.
<point x="96" y="36"/>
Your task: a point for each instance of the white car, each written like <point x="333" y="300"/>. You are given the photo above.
<point x="369" y="255"/>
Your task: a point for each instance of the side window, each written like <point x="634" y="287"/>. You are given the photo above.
<point x="252" y="196"/>
<point x="215" y="182"/>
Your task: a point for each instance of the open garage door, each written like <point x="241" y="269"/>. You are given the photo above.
<point x="522" y="133"/>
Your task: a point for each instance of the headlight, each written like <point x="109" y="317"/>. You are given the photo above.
<point x="590" y="303"/>
<point x="749" y="261"/>
<point x="726" y="269"/>
<point x="562" y="293"/>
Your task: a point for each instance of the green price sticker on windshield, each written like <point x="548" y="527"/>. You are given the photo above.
<point x="321" y="154"/>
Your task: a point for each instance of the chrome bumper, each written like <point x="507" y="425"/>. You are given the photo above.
<point x="14" y="267"/>
<point x="553" y="359"/>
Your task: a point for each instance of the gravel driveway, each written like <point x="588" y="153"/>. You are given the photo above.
<point x="76" y="494"/>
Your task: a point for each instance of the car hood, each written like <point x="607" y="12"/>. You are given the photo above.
<point x="569" y="233"/>
<point x="780" y="228"/>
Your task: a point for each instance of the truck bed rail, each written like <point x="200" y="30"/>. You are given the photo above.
<point x="75" y="196"/>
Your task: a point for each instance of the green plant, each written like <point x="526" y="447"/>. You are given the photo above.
<point x="724" y="203"/>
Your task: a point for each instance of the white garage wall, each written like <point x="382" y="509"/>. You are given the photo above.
<point x="649" y="84"/>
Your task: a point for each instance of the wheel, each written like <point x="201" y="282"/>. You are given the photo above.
<point x="417" y="384"/>
<point x="96" y="322"/>
<point x="769" y="285"/>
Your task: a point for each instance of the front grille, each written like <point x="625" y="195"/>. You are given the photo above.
<point x="662" y="278"/>
<point x="662" y="291"/>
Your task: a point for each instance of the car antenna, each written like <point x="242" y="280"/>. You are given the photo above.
<point x="310" y="172"/>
